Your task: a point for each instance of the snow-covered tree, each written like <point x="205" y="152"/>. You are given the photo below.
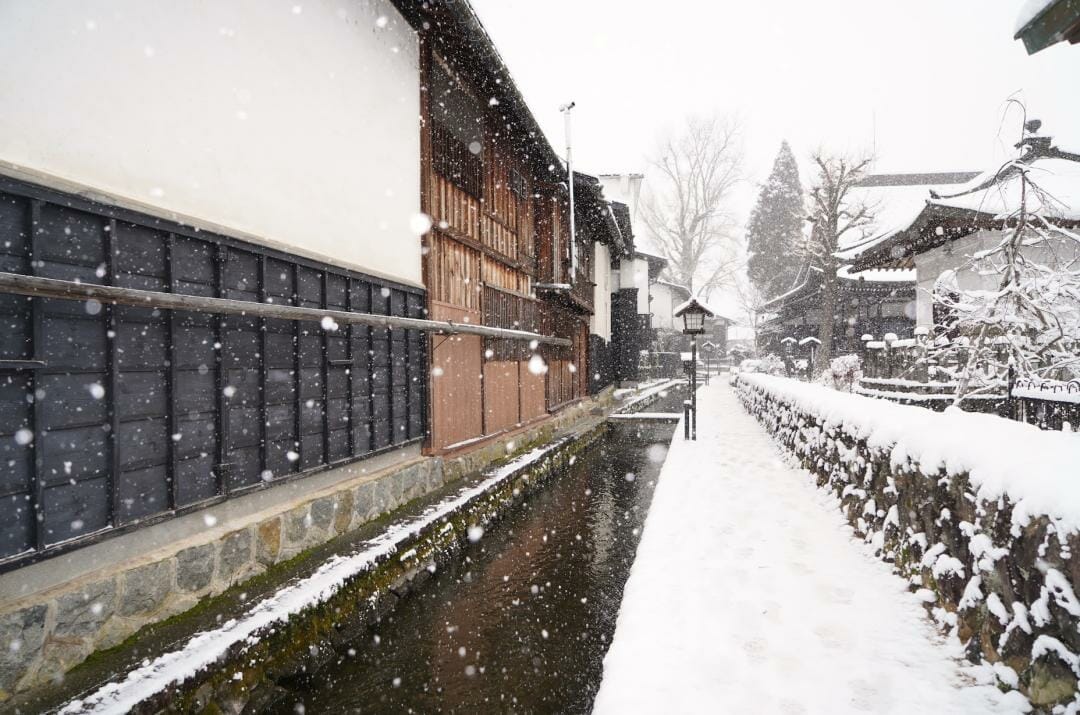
<point x="1031" y="319"/>
<point x="834" y="212"/>
<point x="775" y="227"/>
<point x="687" y="210"/>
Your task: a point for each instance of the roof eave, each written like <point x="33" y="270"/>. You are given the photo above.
<point x="1057" y="22"/>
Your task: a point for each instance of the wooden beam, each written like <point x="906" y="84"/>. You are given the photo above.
<point x="70" y="290"/>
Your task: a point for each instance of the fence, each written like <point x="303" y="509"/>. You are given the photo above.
<point x="898" y="370"/>
<point x="1048" y="404"/>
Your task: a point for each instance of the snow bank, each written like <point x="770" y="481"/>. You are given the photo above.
<point x="980" y="513"/>
<point x="1038" y="470"/>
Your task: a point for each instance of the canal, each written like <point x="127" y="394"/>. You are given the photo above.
<point x="522" y="620"/>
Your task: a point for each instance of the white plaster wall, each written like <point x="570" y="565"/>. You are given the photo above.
<point x="641" y="282"/>
<point x="626" y="189"/>
<point x="600" y="322"/>
<point x="293" y="122"/>
<point x="662" y="306"/>
<point x="626" y="274"/>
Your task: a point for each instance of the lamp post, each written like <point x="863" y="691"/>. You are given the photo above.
<point x="693" y="315"/>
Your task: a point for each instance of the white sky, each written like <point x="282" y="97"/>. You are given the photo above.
<point x="934" y="74"/>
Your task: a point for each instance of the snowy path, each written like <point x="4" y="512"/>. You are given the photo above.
<point x="749" y="595"/>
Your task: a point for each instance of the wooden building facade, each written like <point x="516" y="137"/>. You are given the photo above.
<point x="499" y="249"/>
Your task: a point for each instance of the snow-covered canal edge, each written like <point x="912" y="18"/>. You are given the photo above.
<point x="205" y="649"/>
<point x="749" y="594"/>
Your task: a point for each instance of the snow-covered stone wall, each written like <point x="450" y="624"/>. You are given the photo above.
<point x="295" y="125"/>
<point x="981" y="514"/>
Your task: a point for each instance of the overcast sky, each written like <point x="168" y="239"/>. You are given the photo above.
<point x="927" y="79"/>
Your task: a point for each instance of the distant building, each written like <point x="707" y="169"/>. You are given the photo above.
<point x="632" y="277"/>
<point x="611" y="244"/>
<point x="665" y="297"/>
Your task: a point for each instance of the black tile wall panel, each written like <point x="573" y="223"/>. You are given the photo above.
<point x="134" y="413"/>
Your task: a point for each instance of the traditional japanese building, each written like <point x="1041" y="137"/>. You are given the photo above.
<point x="937" y="239"/>
<point x="184" y="179"/>
<point x="1044" y="23"/>
<point x="379" y="164"/>
<point x="632" y="278"/>
<point x="499" y="251"/>
<point x="875" y="303"/>
<point x="597" y="224"/>
<point x="868" y="302"/>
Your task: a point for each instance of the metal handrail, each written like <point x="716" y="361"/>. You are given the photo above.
<point x="38" y="287"/>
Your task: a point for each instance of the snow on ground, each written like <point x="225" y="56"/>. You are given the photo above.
<point x="749" y="594"/>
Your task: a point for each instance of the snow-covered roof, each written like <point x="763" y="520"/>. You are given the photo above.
<point x="1058" y="178"/>
<point x="1029" y="11"/>
<point x="641" y="251"/>
<point x="675" y="288"/>
<point x="990" y="197"/>
<point x="799" y="285"/>
<point x="895" y="201"/>
<point x="678" y="310"/>
<point x="1042" y="23"/>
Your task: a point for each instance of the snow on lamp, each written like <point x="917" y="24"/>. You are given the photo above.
<point x="693" y="314"/>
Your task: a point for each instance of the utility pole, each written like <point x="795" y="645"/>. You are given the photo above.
<point x="565" y="109"/>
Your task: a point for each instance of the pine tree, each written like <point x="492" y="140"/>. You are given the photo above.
<point x="775" y="228"/>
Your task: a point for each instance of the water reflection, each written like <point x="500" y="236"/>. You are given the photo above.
<point x="521" y="622"/>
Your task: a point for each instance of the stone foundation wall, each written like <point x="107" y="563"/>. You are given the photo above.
<point x="45" y="635"/>
<point x="998" y="577"/>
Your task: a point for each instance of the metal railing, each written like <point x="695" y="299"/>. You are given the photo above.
<point x="1047" y="404"/>
<point x="70" y="290"/>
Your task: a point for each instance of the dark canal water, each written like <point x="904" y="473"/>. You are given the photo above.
<point x="521" y="621"/>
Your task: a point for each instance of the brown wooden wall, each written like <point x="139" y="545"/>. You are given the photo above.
<point x="483" y="258"/>
<point x="456" y="388"/>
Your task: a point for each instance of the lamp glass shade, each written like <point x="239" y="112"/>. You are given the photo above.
<point x="693" y="322"/>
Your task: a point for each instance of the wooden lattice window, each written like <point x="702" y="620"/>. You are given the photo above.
<point x="457" y="138"/>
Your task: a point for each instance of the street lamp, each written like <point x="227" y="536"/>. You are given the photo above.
<point x="693" y="314"/>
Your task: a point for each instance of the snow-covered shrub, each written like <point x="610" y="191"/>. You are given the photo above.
<point x="979" y="513"/>
<point x="843" y="373"/>
<point x="772" y="364"/>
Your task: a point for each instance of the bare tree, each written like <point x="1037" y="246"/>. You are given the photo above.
<point x="834" y="212"/>
<point x="687" y="206"/>
<point x="749" y="299"/>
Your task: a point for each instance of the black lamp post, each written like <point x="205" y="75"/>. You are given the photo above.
<point x="693" y="314"/>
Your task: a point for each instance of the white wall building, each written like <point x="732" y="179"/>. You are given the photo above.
<point x="973" y="211"/>
<point x="665" y="298"/>
<point x="294" y="126"/>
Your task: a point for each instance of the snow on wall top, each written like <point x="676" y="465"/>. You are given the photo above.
<point x="1038" y="470"/>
